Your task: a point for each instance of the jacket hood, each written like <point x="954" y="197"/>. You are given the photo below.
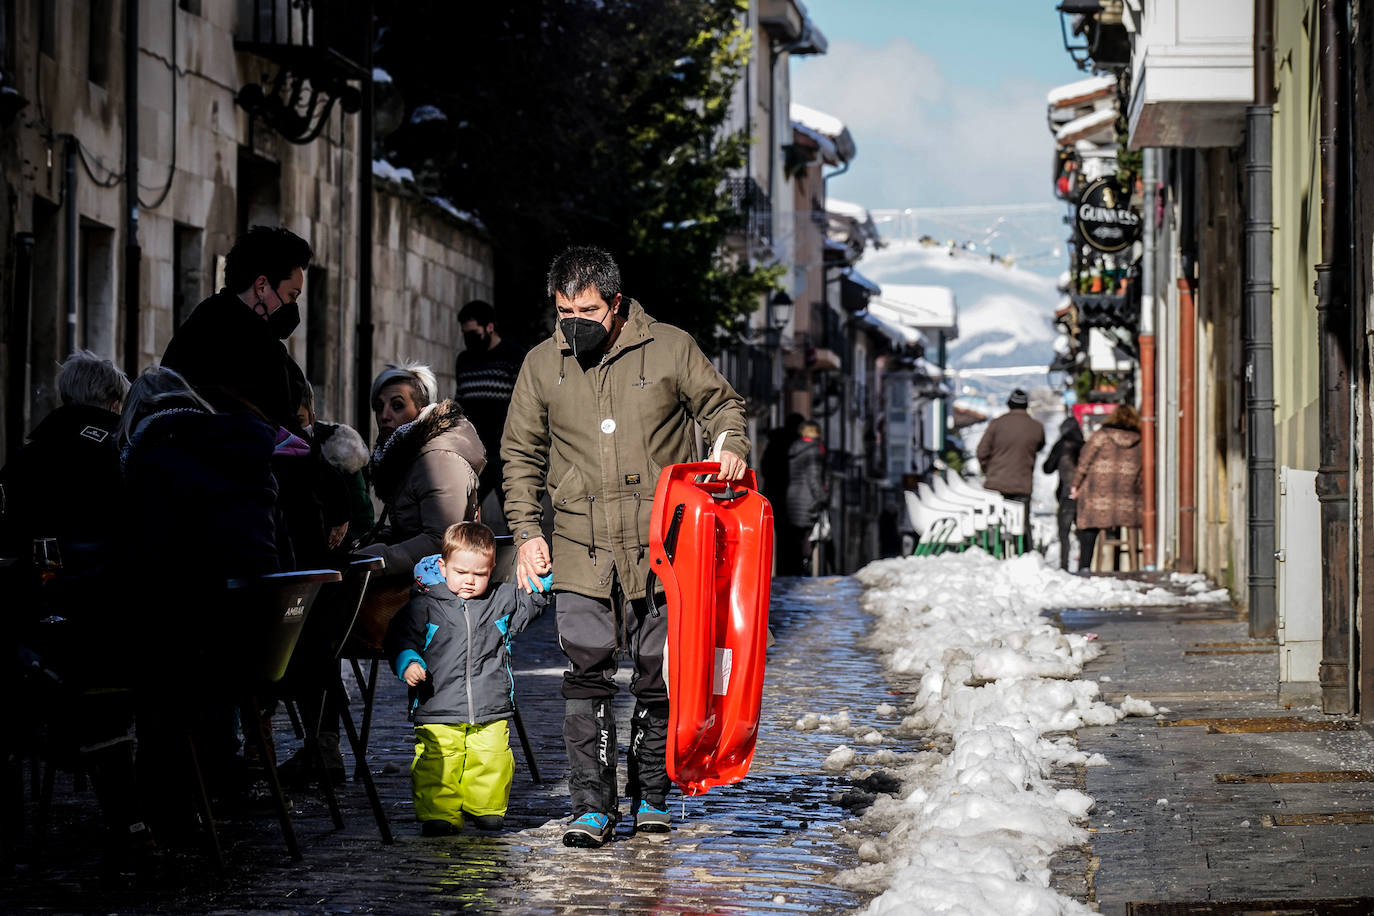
<point x="1070" y="431"/>
<point x="343" y="448"/>
<point x="392" y="460"/>
<point x="1122" y="438"/>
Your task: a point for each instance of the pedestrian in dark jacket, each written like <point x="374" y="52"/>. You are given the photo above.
<point x="1107" y="483"/>
<point x="806" y="500"/>
<point x="1007" y="451"/>
<point x="451" y="646"/>
<point x="1063" y="460"/>
<point x="599" y="410"/>
<point x="486" y="371"/>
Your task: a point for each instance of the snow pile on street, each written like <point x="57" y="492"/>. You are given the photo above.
<point x="974" y="828"/>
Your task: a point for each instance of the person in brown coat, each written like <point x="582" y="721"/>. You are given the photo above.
<point x="1107" y="483"/>
<point x="1006" y="453"/>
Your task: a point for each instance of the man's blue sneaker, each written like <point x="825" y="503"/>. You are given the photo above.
<point x="649" y="819"/>
<point x="590" y="831"/>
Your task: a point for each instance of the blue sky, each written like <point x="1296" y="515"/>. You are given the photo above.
<point x="946" y="101"/>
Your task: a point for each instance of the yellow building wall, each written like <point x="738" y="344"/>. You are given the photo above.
<point x="1297" y="235"/>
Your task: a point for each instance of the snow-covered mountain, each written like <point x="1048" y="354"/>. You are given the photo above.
<point x="1006" y="314"/>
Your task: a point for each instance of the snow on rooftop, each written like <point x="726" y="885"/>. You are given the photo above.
<point x="427" y="113"/>
<point x="929" y="307"/>
<point x="1081" y="91"/>
<point x="893" y="329"/>
<point x="824" y="127"/>
<point x="889" y="315"/>
<point x="385" y="170"/>
<point x="826" y="146"/>
<point x="818" y="121"/>
<point x="1087" y="126"/>
<point x="856" y="212"/>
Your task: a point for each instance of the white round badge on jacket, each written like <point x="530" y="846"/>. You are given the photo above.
<point x="608" y="426"/>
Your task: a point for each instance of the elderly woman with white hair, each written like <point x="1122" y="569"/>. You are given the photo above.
<point x="424" y="470"/>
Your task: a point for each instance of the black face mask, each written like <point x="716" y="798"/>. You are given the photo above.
<point x="583" y="335"/>
<point x="284" y="320"/>
<point x="475" y="340"/>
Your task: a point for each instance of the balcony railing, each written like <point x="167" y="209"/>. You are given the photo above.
<point x="754" y="208"/>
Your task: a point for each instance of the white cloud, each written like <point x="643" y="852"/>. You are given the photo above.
<point x="921" y="140"/>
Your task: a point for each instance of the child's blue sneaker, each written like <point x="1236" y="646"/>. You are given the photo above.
<point x="589" y="831"/>
<point x="649" y="819"/>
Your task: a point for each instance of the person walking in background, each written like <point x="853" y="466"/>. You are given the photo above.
<point x="1063" y="460"/>
<point x="451" y="646"/>
<point x="1007" y="451"/>
<point x="806" y="499"/>
<point x="600" y="408"/>
<point x="1107" y="484"/>
<point x="486" y="370"/>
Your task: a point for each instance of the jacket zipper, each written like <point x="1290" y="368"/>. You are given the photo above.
<point x="591" y="517"/>
<point x="467" y="684"/>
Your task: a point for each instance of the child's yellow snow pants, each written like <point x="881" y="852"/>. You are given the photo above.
<point x="461" y="768"/>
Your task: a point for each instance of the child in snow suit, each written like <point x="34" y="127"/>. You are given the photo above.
<point x="450" y="644"/>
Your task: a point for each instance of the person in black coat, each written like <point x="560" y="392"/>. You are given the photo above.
<point x="201" y="509"/>
<point x="1063" y="459"/>
<point x="65" y="482"/>
<point x="806" y="499"/>
<point x="230" y="349"/>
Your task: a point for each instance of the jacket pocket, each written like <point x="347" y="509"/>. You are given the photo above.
<point x="572" y="508"/>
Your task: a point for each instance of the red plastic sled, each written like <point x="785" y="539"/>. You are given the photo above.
<point x="711" y="545"/>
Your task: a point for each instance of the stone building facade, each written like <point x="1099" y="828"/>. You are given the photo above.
<point x="206" y="169"/>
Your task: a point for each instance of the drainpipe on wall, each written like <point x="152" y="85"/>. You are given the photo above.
<point x="1259" y="330"/>
<point x="69" y="200"/>
<point x="365" y="329"/>
<point x="1187" y="426"/>
<point x="133" y="254"/>
<point x="1148" y="432"/>
<point x="1333" y="474"/>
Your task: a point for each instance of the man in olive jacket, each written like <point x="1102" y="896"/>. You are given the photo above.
<point x="599" y="409"/>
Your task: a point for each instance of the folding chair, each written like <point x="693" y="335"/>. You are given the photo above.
<point x="315" y="667"/>
<point x="250" y="639"/>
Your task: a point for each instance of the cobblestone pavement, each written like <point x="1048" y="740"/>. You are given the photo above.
<point x="1170" y="824"/>
<point x="771" y="844"/>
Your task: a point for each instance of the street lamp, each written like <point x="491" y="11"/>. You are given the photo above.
<point x="779" y="310"/>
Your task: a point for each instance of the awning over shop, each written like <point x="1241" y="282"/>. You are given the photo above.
<point x="856" y="290"/>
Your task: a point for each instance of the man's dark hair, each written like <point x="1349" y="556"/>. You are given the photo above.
<point x="265" y="251"/>
<point x="478" y="310"/>
<point x="584" y="266"/>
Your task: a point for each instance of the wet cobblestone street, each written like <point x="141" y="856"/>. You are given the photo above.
<point x="771" y="844"/>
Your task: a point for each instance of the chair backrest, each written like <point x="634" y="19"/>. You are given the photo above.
<point x="262" y="623"/>
<point x="505" y="559"/>
<point x="332" y="616"/>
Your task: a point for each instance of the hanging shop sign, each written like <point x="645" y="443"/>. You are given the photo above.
<point x="1104" y="218"/>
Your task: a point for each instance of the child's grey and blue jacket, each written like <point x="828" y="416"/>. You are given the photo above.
<point x="464" y="646"/>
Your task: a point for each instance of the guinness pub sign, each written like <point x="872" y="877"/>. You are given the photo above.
<point x="1104" y="217"/>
